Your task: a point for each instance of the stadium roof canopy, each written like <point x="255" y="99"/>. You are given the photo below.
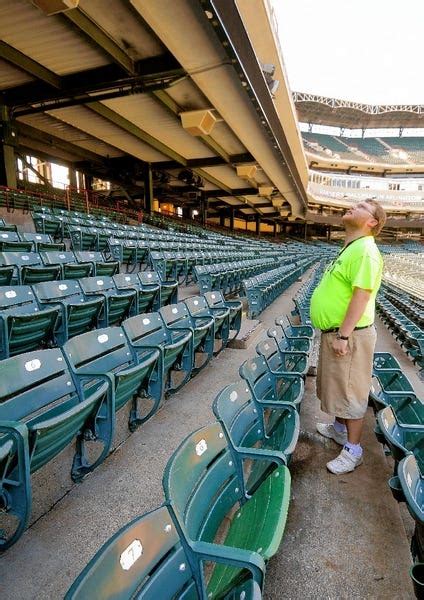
<point x="354" y="115"/>
<point x="106" y="87"/>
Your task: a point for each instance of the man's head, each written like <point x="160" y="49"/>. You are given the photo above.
<point x="367" y="215"/>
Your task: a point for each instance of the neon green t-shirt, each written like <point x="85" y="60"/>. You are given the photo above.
<point x="358" y="265"/>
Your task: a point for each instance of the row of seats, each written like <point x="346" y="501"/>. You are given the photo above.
<point x="52" y="398"/>
<point x="405" y="330"/>
<point x="400" y="427"/>
<point x="264" y="288"/>
<point x="302" y="298"/>
<point x="229" y="277"/>
<point x="32" y="267"/>
<point x="179" y="550"/>
<point x="49" y="313"/>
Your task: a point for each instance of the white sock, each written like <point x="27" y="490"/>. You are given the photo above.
<point x="354" y="449"/>
<point x="339" y="427"/>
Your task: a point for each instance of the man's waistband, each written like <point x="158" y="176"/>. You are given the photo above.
<point x="334" y="329"/>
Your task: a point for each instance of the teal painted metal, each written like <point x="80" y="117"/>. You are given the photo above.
<point x="78" y="313"/>
<point x="117" y="303"/>
<point x="42" y="412"/>
<point x="216" y="301"/>
<point x="199" y="309"/>
<point x="279" y="361"/>
<point x="104" y="354"/>
<point x="148" y="332"/>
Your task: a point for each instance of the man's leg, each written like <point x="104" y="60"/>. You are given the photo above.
<point x="354" y="430"/>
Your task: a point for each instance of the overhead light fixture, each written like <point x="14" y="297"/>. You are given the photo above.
<point x="246" y="171"/>
<point x="265" y="190"/>
<point x="268" y="70"/>
<point x="198" y="122"/>
<point x="52" y="7"/>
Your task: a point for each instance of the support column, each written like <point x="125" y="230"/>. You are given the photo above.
<point x="7" y="151"/>
<point x="258" y="225"/>
<point x="328" y="233"/>
<point x="222" y="219"/>
<point x="275" y="229"/>
<point x="306" y="230"/>
<point x="203" y="209"/>
<point x="148" y="188"/>
<point x="232" y="219"/>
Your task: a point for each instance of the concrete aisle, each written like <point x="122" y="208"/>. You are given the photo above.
<point x="345" y="537"/>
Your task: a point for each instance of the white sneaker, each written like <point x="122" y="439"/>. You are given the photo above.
<point x="328" y="431"/>
<point x="345" y="462"/>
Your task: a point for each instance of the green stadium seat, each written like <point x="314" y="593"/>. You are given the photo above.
<point x="147" y="296"/>
<point x="100" y="266"/>
<point x="11" y="242"/>
<point x="216" y="301"/>
<point x="24" y="324"/>
<point x="403" y="438"/>
<point x="148" y="331"/>
<point x="285" y="344"/>
<point x="105" y="354"/>
<point x="279" y="361"/>
<point x="117" y="303"/>
<point x="177" y="316"/>
<point x="205" y="488"/>
<point x="70" y="268"/>
<point x="28" y="267"/>
<point x="42" y="241"/>
<point x="145" y="559"/>
<point x="267" y="386"/>
<point x="41" y="413"/>
<point x="168" y="289"/>
<point x="251" y="432"/>
<point x="78" y="313"/>
<point x="199" y="308"/>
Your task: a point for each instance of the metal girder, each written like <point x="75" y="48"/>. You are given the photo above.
<point x="235" y="192"/>
<point x="137" y="132"/>
<point x="73" y="89"/>
<point x="24" y="63"/>
<point x="209" y="161"/>
<point x="51" y="141"/>
<point x="83" y="23"/>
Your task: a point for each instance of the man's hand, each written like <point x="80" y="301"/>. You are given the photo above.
<point x="340" y="347"/>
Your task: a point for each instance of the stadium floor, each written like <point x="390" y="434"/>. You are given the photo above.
<point x="346" y="537"/>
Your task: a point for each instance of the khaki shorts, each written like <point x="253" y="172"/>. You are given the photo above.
<point x="344" y="382"/>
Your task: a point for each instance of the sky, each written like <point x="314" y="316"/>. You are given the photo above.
<point x="369" y="51"/>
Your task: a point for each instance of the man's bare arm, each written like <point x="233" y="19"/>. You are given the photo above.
<point x="355" y="310"/>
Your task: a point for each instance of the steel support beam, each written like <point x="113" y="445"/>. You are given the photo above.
<point x="148" y="189"/>
<point x="26" y="64"/>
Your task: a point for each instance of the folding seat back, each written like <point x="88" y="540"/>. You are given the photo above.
<point x="282" y="361"/>
<point x="29" y="267"/>
<point x="267" y="386"/>
<point x="48" y="224"/>
<point x="204" y="488"/>
<point x="384" y="360"/>
<point x="412" y="482"/>
<point x="10" y="241"/>
<point x="104" y="354"/>
<point x="402" y="439"/>
<point x="82" y="238"/>
<point x="100" y="266"/>
<point x="216" y="300"/>
<point x="148" y="296"/>
<point x="199" y="308"/>
<point x="165" y="292"/>
<point x="252" y="432"/>
<point x="149" y="331"/>
<point x="118" y="303"/>
<point x="289" y="344"/>
<point x="294" y="331"/>
<point x="144" y="559"/>
<point x="42" y="241"/>
<point x="23" y="326"/>
<point x="78" y="313"/>
<point x="41" y="412"/>
<point x="70" y="269"/>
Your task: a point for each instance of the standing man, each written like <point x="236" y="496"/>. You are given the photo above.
<point x="343" y="307"/>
